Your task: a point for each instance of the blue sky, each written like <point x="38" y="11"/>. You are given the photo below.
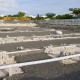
<point x="33" y="7"/>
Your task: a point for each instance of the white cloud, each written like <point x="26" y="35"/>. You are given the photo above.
<point x="7" y="6"/>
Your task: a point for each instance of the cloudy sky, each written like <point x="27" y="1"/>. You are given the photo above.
<point x="33" y="7"/>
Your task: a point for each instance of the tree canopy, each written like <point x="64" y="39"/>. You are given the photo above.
<point x="75" y="12"/>
<point x="50" y="15"/>
<point x="21" y="14"/>
<point x="64" y="16"/>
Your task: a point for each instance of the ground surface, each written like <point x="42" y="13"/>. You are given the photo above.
<point x="47" y="71"/>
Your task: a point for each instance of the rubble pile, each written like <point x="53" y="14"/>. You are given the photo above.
<point x="63" y="51"/>
<point x="5" y="60"/>
<point x="8" y="39"/>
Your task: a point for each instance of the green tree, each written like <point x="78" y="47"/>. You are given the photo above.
<point x="58" y="17"/>
<point x="9" y="15"/>
<point x="65" y="16"/>
<point x="0" y="17"/>
<point x="75" y="12"/>
<point x="21" y="14"/>
<point x="50" y="15"/>
<point x="15" y="15"/>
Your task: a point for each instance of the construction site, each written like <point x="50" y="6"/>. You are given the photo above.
<point x="37" y="50"/>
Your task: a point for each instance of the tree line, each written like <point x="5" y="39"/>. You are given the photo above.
<point x="75" y="13"/>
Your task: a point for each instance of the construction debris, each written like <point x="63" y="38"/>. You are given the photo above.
<point x="63" y="51"/>
<point x="6" y="59"/>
